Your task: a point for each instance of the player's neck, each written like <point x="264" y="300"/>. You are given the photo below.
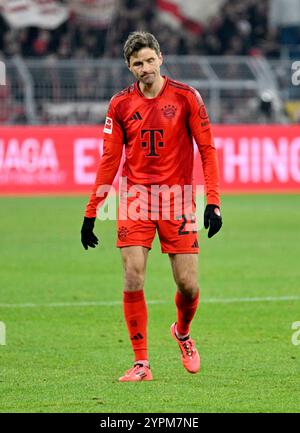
<point x="152" y="90"/>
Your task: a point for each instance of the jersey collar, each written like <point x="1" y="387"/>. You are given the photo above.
<point x="140" y="93"/>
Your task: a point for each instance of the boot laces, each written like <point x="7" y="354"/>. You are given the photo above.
<point x="188" y="348"/>
<point x="135" y="368"/>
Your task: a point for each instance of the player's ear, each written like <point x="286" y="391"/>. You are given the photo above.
<point x="130" y="68"/>
<point x="127" y="62"/>
<point x="161" y="59"/>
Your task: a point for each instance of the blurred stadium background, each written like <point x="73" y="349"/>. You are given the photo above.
<point x="63" y="62"/>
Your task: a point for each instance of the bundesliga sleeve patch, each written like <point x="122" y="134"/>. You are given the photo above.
<point x="202" y="112"/>
<point x="108" y="125"/>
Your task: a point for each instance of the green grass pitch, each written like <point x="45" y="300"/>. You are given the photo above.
<point x="64" y="356"/>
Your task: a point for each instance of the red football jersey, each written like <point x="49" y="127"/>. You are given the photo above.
<point x="158" y="137"/>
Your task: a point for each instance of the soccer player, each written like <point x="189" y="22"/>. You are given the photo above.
<point x="156" y="119"/>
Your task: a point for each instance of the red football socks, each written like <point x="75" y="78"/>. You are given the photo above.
<point x="136" y="317"/>
<point x="186" y="309"/>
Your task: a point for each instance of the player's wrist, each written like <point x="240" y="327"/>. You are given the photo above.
<point x="213" y="203"/>
<point x="89" y="221"/>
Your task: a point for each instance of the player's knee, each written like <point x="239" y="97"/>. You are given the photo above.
<point x="134" y="278"/>
<point x="188" y="286"/>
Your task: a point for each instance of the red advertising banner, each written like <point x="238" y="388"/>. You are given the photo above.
<point x="253" y="158"/>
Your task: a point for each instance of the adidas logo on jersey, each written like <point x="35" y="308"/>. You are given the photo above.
<point x="136" y="116"/>
<point x="195" y="244"/>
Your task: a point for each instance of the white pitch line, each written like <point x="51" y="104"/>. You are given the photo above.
<point x="154" y="302"/>
<point x="72" y="304"/>
<point x="254" y="299"/>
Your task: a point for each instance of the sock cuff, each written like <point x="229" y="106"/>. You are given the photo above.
<point x="182" y="300"/>
<point x="133" y="296"/>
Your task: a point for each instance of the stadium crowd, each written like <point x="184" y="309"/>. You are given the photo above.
<point x="65" y="94"/>
<point x="240" y="28"/>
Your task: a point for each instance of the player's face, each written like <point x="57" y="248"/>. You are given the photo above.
<point x="145" y="65"/>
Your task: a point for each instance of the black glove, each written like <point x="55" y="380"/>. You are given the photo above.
<point x="212" y="219"/>
<point x="88" y="239"/>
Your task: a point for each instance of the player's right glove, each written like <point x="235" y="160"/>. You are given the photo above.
<point x="212" y="219"/>
<point x="88" y="239"/>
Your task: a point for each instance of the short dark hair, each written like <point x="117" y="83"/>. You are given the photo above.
<point x="138" y="40"/>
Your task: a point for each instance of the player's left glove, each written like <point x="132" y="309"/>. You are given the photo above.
<point x="212" y="219"/>
<point x="88" y="239"/>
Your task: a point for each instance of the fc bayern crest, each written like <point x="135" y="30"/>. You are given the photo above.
<point x="169" y="111"/>
<point x="122" y="233"/>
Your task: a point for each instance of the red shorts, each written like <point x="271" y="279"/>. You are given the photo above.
<point x="177" y="233"/>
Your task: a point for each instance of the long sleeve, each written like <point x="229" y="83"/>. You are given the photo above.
<point x="110" y="161"/>
<point x="201" y="130"/>
<point x="106" y="173"/>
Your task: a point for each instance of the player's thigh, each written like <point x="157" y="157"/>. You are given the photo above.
<point x="185" y="272"/>
<point x="134" y="256"/>
<point x="134" y="259"/>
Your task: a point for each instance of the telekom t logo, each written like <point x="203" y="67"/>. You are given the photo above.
<point x="2" y="74"/>
<point x="153" y="137"/>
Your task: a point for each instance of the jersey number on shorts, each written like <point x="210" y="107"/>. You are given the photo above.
<point x="181" y="230"/>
